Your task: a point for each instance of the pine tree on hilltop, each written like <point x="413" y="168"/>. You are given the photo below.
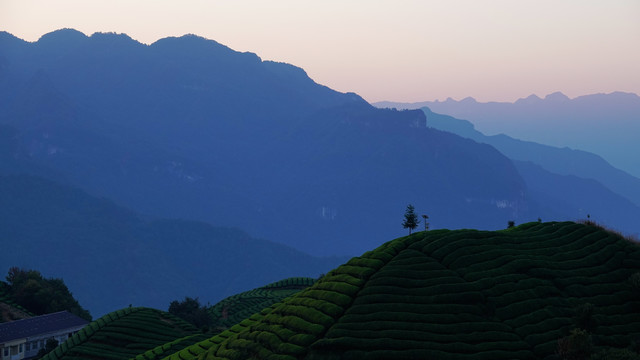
<point x="410" y="219"/>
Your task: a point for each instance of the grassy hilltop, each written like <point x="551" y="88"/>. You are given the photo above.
<point x="463" y="294"/>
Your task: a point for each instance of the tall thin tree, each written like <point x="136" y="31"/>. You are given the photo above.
<point x="410" y="219"/>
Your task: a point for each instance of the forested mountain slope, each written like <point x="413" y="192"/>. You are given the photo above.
<point x="188" y="128"/>
<point x="64" y="232"/>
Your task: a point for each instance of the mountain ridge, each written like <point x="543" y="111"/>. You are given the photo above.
<point x="563" y="161"/>
<point x="604" y="124"/>
<point x="66" y="233"/>
<point x="558" y="95"/>
<point x="182" y="133"/>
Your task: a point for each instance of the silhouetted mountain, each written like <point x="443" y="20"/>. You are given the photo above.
<point x="111" y="257"/>
<point x="604" y="124"/>
<point x="562" y="161"/>
<point x="187" y="128"/>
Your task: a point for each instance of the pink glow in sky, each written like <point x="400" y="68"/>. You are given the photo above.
<point x="399" y="50"/>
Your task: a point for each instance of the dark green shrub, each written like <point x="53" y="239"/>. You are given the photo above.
<point x="295" y="323"/>
<point x="191" y="311"/>
<point x="576" y="346"/>
<point x="302" y="339"/>
<point x="584" y="317"/>
<point x="346" y="278"/>
<point x="290" y="349"/>
<point x="356" y="271"/>
<point x="267" y="339"/>
<point x="308" y="314"/>
<point x="281" y="331"/>
<point x="328" y="308"/>
<point x="615" y="354"/>
<point x="330" y="296"/>
<point x="339" y="287"/>
<point x="634" y="282"/>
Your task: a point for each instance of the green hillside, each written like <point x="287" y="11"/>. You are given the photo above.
<point x="199" y="349"/>
<point x="458" y="295"/>
<point x="464" y="294"/>
<point x="232" y="315"/>
<point x="125" y="333"/>
<point x="236" y="308"/>
<point x="148" y="334"/>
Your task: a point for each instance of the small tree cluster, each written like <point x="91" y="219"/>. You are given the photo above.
<point x="29" y="289"/>
<point x="191" y="311"/>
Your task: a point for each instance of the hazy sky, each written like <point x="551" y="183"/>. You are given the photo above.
<point x="400" y="50"/>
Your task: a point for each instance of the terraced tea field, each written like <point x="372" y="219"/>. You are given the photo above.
<point x="198" y="350"/>
<point x="123" y="334"/>
<point x="236" y="308"/>
<point x="148" y="334"/>
<point x="443" y="294"/>
<point x="457" y="295"/>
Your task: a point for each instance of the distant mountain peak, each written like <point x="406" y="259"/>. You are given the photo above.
<point x="616" y="94"/>
<point x="467" y="100"/>
<point x="531" y="99"/>
<point x="557" y="97"/>
<point x="65" y="35"/>
<point x="198" y="46"/>
<point x="554" y="97"/>
<point x="624" y="94"/>
<point x="6" y="35"/>
<point x="188" y="38"/>
<point x="113" y="36"/>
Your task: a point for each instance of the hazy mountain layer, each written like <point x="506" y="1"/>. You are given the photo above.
<point x="604" y="124"/>
<point x="187" y="128"/>
<point x="571" y="170"/>
<point x="111" y="257"/>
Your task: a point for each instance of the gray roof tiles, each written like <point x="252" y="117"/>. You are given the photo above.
<point x="43" y="324"/>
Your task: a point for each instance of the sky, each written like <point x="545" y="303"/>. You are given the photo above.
<point x="395" y="50"/>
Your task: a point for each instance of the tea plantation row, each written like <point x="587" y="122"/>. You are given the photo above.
<point x="236" y="308"/>
<point x="458" y="295"/>
<point x="441" y="294"/>
<point x="123" y="334"/>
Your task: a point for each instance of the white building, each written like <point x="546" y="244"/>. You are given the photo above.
<point x="22" y="339"/>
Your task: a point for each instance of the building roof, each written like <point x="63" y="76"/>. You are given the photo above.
<point x="39" y="325"/>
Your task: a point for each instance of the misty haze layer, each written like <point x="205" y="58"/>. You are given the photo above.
<point x="605" y="124"/>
